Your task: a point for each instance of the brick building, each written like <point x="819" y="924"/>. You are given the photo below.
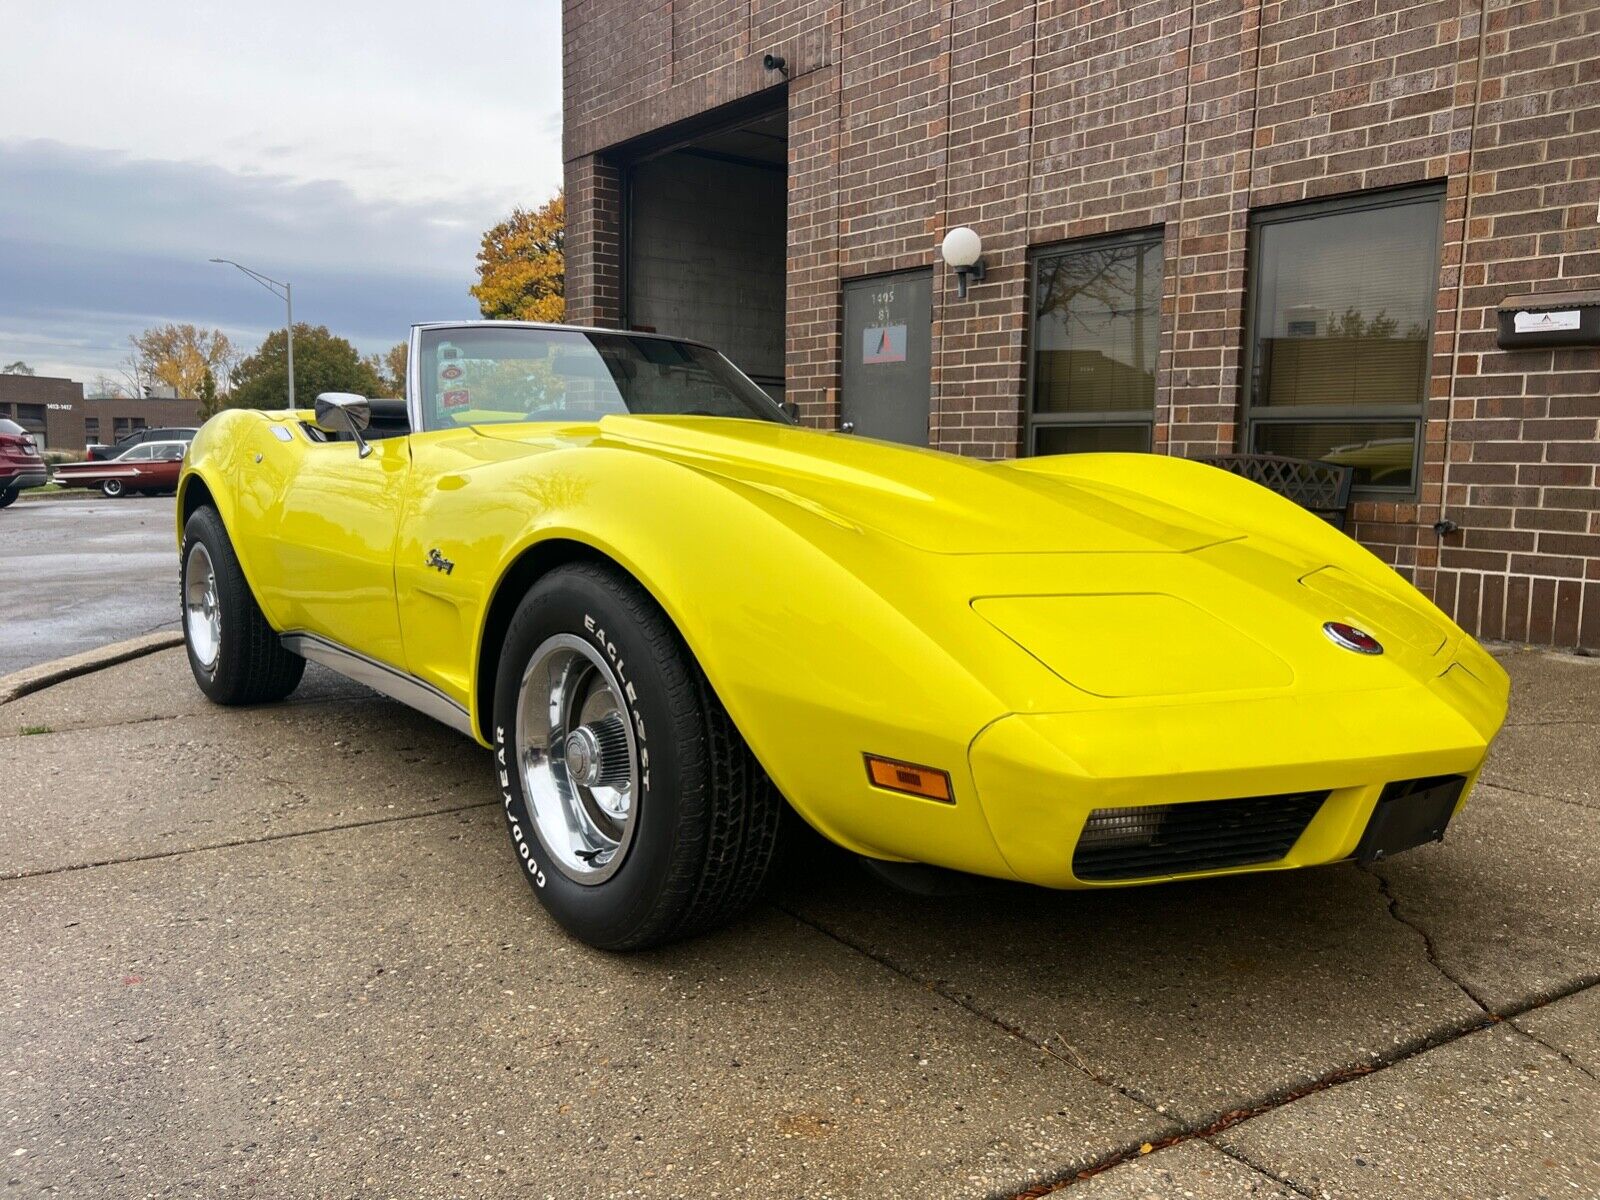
<point x="1207" y="225"/>
<point x="58" y="415"/>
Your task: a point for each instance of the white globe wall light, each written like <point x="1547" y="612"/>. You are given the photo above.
<point x="962" y="250"/>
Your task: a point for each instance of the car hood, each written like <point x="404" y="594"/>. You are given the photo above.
<point x="926" y="499"/>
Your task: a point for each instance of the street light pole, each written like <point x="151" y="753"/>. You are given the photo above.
<point x="288" y="302"/>
<point x="287" y="296"/>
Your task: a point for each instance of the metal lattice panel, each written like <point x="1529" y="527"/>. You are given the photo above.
<point x="1319" y="487"/>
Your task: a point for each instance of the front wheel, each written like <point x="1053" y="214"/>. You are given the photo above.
<point x="635" y="809"/>
<point x="235" y="655"/>
<point x="111" y="487"/>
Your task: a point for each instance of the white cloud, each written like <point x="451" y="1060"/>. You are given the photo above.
<point x="358" y="149"/>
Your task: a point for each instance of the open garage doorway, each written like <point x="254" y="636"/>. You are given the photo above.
<point x="705" y="241"/>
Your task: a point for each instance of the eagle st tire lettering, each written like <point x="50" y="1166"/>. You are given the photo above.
<point x="630" y="696"/>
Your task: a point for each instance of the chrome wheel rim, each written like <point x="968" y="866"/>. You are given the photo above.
<point x="112" y="487"/>
<point x="202" y="615"/>
<point x="577" y="758"/>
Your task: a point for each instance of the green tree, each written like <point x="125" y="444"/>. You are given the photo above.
<point x="209" y="402"/>
<point x="522" y="268"/>
<point x="322" y="363"/>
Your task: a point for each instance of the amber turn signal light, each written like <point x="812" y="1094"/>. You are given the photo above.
<point x="928" y="782"/>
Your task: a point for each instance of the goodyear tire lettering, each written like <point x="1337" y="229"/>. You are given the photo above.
<point x="524" y="847"/>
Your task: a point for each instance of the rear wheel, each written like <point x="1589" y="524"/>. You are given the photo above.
<point x="235" y="655"/>
<point x="111" y="487"/>
<point x="7" y="495"/>
<point x="635" y="809"/>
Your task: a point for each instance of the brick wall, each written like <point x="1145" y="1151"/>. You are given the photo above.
<point x="814" y="316"/>
<point x="1524" y="428"/>
<point x="1041" y="121"/>
<point x="594" y="242"/>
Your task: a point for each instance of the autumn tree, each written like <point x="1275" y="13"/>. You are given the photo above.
<point x="390" y="368"/>
<point x="180" y="355"/>
<point x="521" y="267"/>
<point x="394" y="365"/>
<point x="322" y="363"/>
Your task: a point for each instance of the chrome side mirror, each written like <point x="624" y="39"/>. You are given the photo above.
<point x="345" y="412"/>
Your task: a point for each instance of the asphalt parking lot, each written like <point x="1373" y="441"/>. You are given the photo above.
<point x="78" y="573"/>
<point x="283" y="952"/>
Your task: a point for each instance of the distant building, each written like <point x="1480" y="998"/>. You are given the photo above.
<point x="60" y="418"/>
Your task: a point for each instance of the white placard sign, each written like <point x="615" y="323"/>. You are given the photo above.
<point x="1545" y="322"/>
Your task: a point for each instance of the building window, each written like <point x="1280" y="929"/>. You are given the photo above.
<point x="1096" y="333"/>
<point x="1342" y="298"/>
<point x="91" y="430"/>
<point x="31" y="418"/>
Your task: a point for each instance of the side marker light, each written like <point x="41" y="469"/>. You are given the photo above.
<point x="893" y="775"/>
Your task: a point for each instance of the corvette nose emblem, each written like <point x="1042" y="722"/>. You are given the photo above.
<point x="1351" y="638"/>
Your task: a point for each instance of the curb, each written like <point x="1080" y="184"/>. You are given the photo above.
<point x="63" y="494"/>
<point x="33" y="679"/>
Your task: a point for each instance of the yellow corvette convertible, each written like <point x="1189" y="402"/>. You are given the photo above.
<point x="672" y="614"/>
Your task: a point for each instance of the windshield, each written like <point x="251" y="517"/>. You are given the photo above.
<point x="476" y="375"/>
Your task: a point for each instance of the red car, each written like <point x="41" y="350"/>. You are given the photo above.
<point x="149" y="467"/>
<point x="20" y="463"/>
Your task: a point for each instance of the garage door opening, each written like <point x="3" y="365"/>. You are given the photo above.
<point x="705" y="242"/>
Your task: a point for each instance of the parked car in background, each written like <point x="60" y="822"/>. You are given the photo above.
<point x="99" y="452"/>
<point x="148" y="468"/>
<point x="21" y="465"/>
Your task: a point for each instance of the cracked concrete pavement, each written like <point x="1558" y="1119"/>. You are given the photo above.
<point x="283" y="952"/>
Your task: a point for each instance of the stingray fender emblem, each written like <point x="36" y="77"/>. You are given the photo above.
<point x="439" y="562"/>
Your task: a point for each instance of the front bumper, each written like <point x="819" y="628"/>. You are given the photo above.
<point x="1039" y="777"/>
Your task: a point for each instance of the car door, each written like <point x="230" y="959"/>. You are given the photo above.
<point x="453" y="537"/>
<point x="319" y="523"/>
<point x="132" y="466"/>
<point x="165" y="467"/>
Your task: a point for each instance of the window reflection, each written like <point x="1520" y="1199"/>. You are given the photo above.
<point x="1380" y="455"/>
<point x="1342" y="302"/>
<point x="1096" y="338"/>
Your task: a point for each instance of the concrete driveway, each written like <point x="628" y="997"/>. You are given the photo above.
<point x="283" y="952"/>
<point x="77" y="573"/>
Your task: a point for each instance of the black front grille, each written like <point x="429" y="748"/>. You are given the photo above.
<point x="1207" y="835"/>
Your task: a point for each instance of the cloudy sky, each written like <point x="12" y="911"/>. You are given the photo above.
<point x="356" y="149"/>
